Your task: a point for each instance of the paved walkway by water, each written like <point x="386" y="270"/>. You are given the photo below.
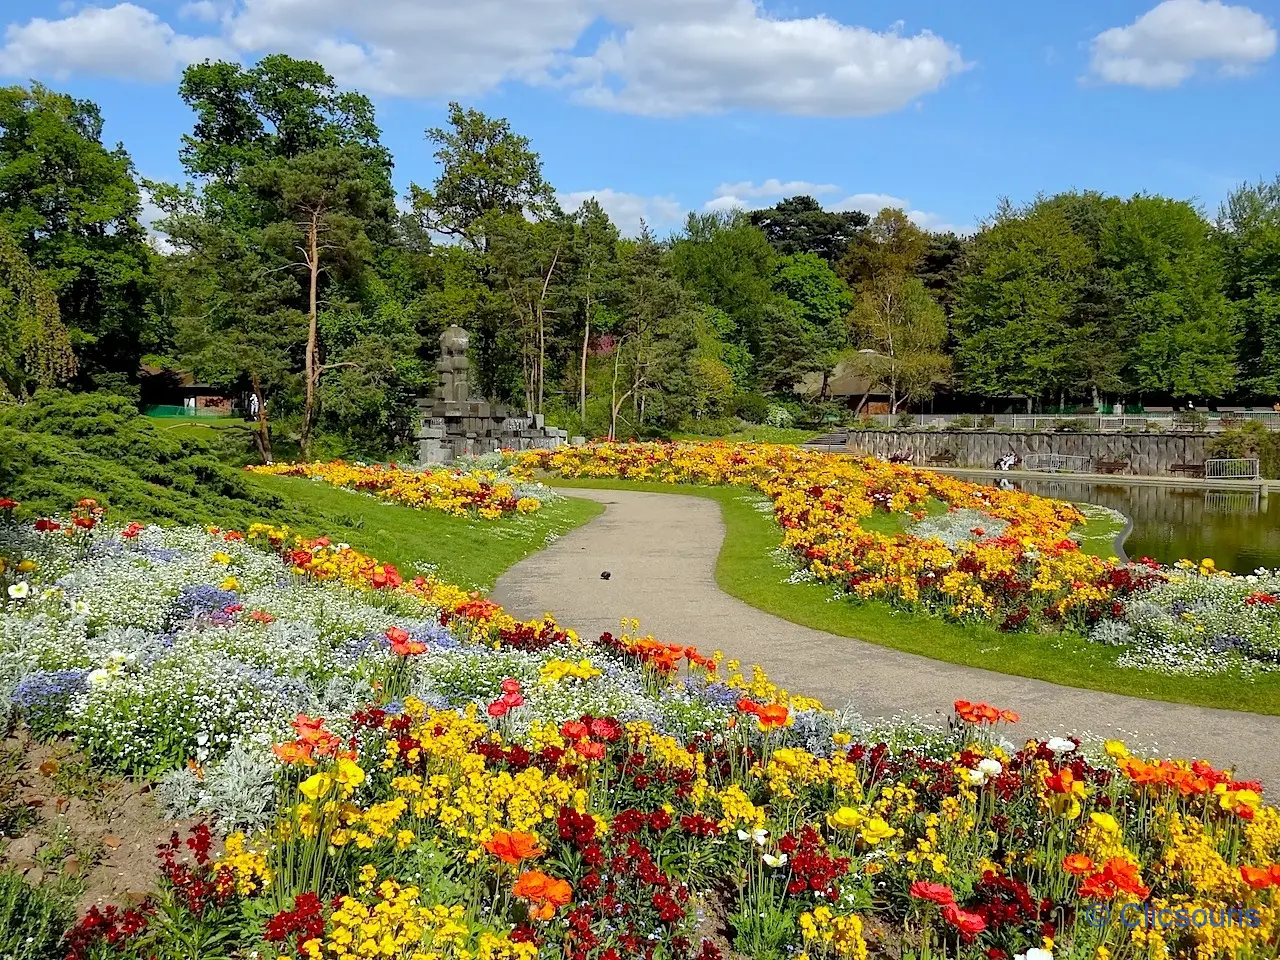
<point x="660" y="550"/>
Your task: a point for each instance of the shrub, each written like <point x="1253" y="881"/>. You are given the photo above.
<point x="751" y="407"/>
<point x="1068" y="425"/>
<point x="32" y="920"/>
<point x="963" y="422"/>
<point x="1251" y="439"/>
<point x="779" y="416"/>
<point x="987" y="420"/>
<point x="905" y="420"/>
<point x="60" y="447"/>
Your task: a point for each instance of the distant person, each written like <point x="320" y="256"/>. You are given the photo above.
<point x="253" y="406"/>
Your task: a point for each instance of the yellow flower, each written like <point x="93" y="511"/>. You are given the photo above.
<point x="875" y="830"/>
<point x="316" y="786"/>
<point x="846" y="818"/>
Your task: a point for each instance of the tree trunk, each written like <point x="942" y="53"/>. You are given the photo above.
<point x="582" y="376"/>
<point x="263" y="434"/>
<point x="313" y="335"/>
<point x="615" y="404"/>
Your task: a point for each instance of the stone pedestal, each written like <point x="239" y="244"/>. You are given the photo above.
<point x="451" y="424"/>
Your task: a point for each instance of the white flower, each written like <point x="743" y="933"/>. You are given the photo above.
<point x="98" y="677"/>
<point x="343" y="546"/>
<point x="977" y="777"/>
<point x="1060" y="745"/>
<point x="773" y="861"/>
<point x="80" y="606"/>
<point x="990" y="766"/>
<point x="20" y="591"/>
<point x="1035" y="953"/>
<point x="759" y="835"/>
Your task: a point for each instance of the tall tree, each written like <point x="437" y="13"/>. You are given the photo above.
<point x="596" y="277"/>
<point x="1249" y="225"/>
<point x="800" y="225"/>
<point x="1023" y="282"/>
<point x="1164" y="265"/>
<point x="485" y="170"/>
<point x="324" y="204"/>
<point x="72" y="206"/>
<point x="809" y="323"/>
<point x="35" y="350"/>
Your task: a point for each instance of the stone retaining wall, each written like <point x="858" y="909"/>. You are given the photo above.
<point x="1147" y="454"/>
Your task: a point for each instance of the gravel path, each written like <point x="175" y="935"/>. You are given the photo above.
<point x="661" y="550"/>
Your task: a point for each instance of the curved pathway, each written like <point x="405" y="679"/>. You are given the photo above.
<point x="661" y="550"/>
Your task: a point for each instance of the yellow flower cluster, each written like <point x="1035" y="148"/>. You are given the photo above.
<point x="458" y="492"/>
<point x="822" y="500"/>
<point x="828" y="934"/>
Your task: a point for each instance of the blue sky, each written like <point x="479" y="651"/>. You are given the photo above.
<point x="663" y="106"/>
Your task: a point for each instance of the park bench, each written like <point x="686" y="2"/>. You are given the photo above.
<point x="1110" y="466"/>
<point x="944" y="459"/>
<point x="1188" y="469"/>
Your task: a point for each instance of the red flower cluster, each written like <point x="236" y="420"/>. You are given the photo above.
<point x="111" y="926"/>
<point x="304" y="922"/>
<point x="1261" y="877"/>
<point x="812" y="868"/>
<point x="1116" y="876"/>
<point x="983" y="713"/>
<point x="192" y="886"/>
<point x="590" y="735"/>
<point x="767" y="716"/>
<point x="45" y="525"/>
<point x="132" y="530"/>
<point x="402" y="644"/>
<point x="510" y="699"/>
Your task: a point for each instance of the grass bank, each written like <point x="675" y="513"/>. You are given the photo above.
<point x="749" y="569"/>
<point x="468" y="552"/>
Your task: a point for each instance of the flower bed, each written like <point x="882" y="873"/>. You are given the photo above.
<point x="422" y="776"/>
<point x="482" y="489"/>
<point x="1025" y="570"/>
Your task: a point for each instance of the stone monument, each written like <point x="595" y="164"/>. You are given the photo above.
<point x="451" y="424"/>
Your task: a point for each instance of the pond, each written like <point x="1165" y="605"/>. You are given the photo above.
<point x="1238" y="528"/>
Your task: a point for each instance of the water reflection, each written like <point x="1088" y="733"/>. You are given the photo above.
<point x="1239" y="529"/>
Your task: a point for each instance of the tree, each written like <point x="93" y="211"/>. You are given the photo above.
<point x="809" y="330"/>
<point x="324" y="202"/>
<point x="1163" y="263"/>
<point x="1249" y="226"/>
<point x="295" y="187"/>
<point x="891" y="243"/>
<point x="596" y="277"/>
<point x="906" y="330"/>
<point x="72" y="206"/>
<point x="485" y="170"/>
<point x="730" y="265"/>
<point x="1014" y="307"/>
<point x="35" y="349"/>
<point x="527" y="264"/>
<point x="800" y="225"/>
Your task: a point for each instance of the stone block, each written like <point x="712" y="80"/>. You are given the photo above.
<point x="538" y="421"/>
<point x="577" y="441"/>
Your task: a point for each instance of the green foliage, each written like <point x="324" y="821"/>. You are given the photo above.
<point x="486" y="170"/>
<point x="1249" y="232"/>
<point x="1250" y="440"/>
<point x="60" y="447"/>
<point x="32" y="920"/>
<point x="800" y="225"/>
<point x="72" y="206"/>
<point x="35" y="350"/>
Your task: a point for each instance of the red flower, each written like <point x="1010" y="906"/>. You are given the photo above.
<point x="938" y="893"/>
<point x="574" y="730"/>
<point x="511" y="685"/>
<point x="604" y="728"/>
<point x="401" y="643"/>
<point x="44" y="524"/>
<point x="969" y="924"/>
<point x="590" y="749"/>
<point x="498" y="709"/>
<point x="7" y="504"/>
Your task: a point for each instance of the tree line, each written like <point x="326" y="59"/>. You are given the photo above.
<point x="288" y="272"/>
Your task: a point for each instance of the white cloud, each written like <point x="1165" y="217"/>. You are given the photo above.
<point x="657" y="57"/>
<point x="724" y="203"/>
<point x="716" y="55"/>
<point x="774" y="188"/>
<point x="124" y="41"/>
<point x="1166" y="45"/>
<point x="627" y="209"/>
<point x="873" y="203"/>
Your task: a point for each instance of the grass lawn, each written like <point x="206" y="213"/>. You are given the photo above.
<point x="749" y="570"/>
<point x="469" y="553"/>
<point x="758" y="434"/>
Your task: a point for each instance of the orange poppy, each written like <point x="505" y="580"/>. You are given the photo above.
<point x="513" y="846"/>
<point x="1077" y="863"/>
<point x="546" y="894"/>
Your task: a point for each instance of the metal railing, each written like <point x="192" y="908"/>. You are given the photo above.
<point x="1091" y="422"/>
<point x="1056" y="463"/>
<point x="1235" y="469"/>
